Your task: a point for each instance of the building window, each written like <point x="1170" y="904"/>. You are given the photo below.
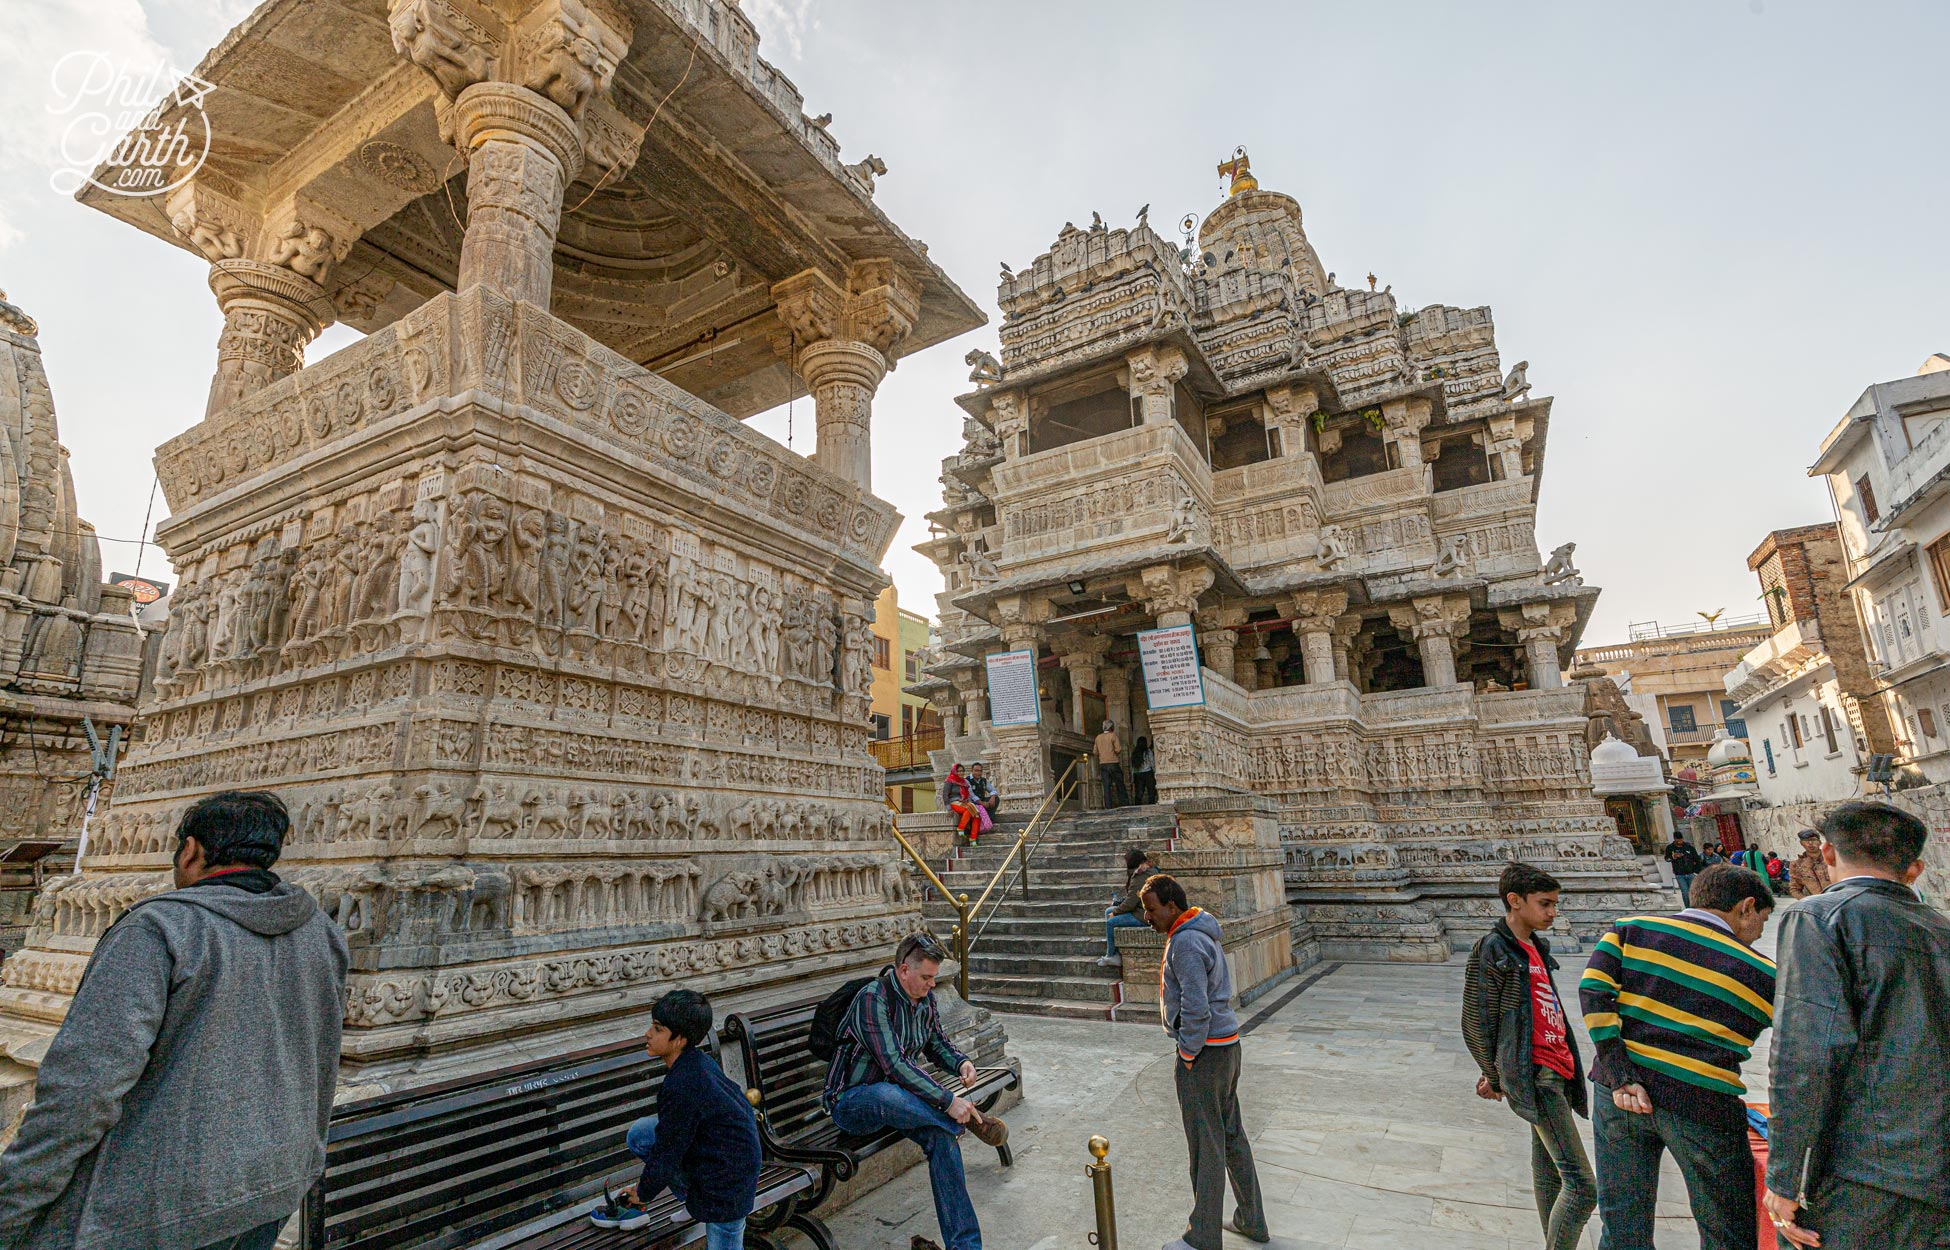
<point x="1868" y="495"/>
<point x="1928" y="720"/>
<point x="1767" y="746"/>
<point x="1681" y="720"/>
<point x="882" y="653"/>
<point x="1939" y="553"/>
<point x="1828" y="729"/>
<point x="1730" y="713"/>
<point x="1794" y="730"/>
<point x="911" y="664"/>
<point x="881" y="726"/>
<point x="907" y="800"/>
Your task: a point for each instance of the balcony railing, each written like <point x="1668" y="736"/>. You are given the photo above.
<point x="907" y="751"/>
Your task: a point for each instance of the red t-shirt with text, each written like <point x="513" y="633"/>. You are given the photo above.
<point x="1549" y="1043"/>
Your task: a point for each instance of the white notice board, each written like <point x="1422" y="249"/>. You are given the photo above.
<point x="1012" y="689"/>
<point x="1171" y="673"/>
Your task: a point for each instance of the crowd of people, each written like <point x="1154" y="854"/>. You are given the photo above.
<point x="1858" y="1121"/>
<point x="184" y="1103"/>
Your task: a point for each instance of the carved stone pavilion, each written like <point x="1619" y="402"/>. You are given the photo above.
<point x="69" y="648"/>
<point x="562" y="671"/>
<point x="1340" y="495"/>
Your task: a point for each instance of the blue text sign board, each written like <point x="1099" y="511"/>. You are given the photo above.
<point x="1171" y="675"/>
<point x="1012" y="689"/>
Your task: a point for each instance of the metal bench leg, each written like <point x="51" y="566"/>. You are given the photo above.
<point x="756" y="1240"/>
<point x="813" y="1227"/>
<point x="1007" y="1156"/>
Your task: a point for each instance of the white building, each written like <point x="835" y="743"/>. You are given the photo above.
<point x="1887" y="465"/>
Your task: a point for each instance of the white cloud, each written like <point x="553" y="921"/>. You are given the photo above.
<point x="786" y="19"/>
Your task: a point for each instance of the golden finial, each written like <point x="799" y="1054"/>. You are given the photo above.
<point x="1099" y="1148"/>
<point x="1240" y="170"/>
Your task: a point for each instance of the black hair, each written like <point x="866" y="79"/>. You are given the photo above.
<point x="1805" y="834"/>
<point x="237" y="827"/>
<point x="686" y="1013"/>
<point x="1722" y="886"/>
<point x="1133" y="857"/>
<point x="919" y="946"/>
<point x="1524" y="880"/>
<point x="1167" y="891"/>
<point x="1875" y="833"/>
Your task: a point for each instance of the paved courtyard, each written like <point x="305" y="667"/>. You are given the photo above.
<point x="1359" y="1097"/>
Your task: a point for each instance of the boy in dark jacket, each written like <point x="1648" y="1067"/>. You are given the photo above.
<point x="703" y="1142"/>
<point x="1514" y="1024"/>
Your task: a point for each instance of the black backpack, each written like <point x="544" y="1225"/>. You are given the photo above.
<point x="830" y="1017"/>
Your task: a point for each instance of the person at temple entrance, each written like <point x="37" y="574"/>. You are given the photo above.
<point x="1808" y="875"/>
<point x="1109" y="753"/>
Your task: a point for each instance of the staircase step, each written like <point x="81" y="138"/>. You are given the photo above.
<point x="1060" y="1008"/>
<point x="1076" y="989"/>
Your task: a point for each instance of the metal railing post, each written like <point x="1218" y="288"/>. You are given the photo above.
<point x="962" y="942"/>
<point x="1105" y="1238"/>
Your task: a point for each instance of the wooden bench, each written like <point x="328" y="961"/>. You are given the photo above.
<point x="788" y="1079"/>
<point x="514" y="1160"/>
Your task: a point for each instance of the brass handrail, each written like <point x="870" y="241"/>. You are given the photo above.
<point x="1105" y="1238"/>
<point x="1023" y="837"/>
<point x="963" y="939"/>
<point x="1022" y="842"/>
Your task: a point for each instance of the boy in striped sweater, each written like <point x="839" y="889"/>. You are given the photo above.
<point x="1674" y="1004"/>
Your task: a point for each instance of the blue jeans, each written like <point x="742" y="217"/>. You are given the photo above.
<point x="642" y="1139"/>
<point x="1685" y="882"/>
<point x="1122" y="920"/>
<point x="869" y="1108"/>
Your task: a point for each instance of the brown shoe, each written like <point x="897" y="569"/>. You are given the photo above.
<point x="922" y="1243"/>
<point x="988" y="1129"/>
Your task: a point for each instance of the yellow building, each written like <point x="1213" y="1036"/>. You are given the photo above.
<point x="905" y="726"/>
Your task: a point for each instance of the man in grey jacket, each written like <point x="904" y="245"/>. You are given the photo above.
<point x="184" y="1102"/>
<point x="1195" y="999"/>
<point x="1859" y="1143"/>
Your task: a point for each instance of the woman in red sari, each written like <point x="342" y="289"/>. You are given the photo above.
<point x="961" y="801"/>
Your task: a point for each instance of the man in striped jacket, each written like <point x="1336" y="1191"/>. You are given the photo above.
<point x="1674" y="1004"/>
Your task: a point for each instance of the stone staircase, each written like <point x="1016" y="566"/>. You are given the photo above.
<point x="1038" y="956"/>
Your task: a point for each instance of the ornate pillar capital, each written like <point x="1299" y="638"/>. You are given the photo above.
<point x="843" y="341"/>
<point x="1170" y="594"/>
<point x="268" y="273"/>
<point x="518" y="95"/>
<point x="1315" y="615"/>
<point x="1542" y="629"/>
<point x="1436" y="623"/>
<point x="1154" y="372"/>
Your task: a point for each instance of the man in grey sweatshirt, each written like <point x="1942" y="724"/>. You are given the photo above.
<point x="184" y="1102"/>
<point x="1195" y="999"/>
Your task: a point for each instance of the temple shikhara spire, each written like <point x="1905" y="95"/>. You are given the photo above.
<point x="1333" y="498"/>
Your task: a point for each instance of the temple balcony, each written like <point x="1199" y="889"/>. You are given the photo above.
<point x="1120" y="489"/>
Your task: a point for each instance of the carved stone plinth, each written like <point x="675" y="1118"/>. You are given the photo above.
<point x="562" y="673"/>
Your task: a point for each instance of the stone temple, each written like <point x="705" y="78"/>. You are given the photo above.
<point x="562" y="671"/>
<point x="1340" y="496"/>
<point x="69" y="649"/>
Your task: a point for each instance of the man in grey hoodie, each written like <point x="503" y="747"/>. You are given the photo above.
<point x="1195" y="998"/>
<point x="184" y="1102"/>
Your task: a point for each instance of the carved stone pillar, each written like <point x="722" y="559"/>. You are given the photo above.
<point x="1437" y="623"/>
<point x="843" y="341"/>
<point x="1316" y="613"/>
<point x="1082" y="667"/>
<point x="1115" y="682"/>
<point x="1218" y="647"/>
<point x="1155" y="372"/>
<point x="1170" y="594"/>
<point x="269" y="315"/>
<point x="1406" y="419"/>
<point x="843" y="377"/>
<point x="522" y="151"/>
<point x="1541" y="628"/>
<point x="1024" y="764"/>
<point x="517" y="117"/>
<point x="1346" y="630"/>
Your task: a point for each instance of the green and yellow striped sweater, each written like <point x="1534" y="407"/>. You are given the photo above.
<point x="1674" y="1004"/>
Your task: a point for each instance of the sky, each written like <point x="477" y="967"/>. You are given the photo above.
<point x="1707" y="224"/>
